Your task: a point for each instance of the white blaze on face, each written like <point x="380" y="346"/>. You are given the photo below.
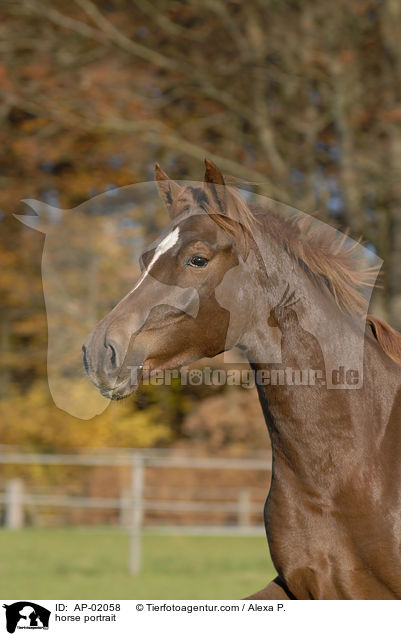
<point x="166" y="244"/>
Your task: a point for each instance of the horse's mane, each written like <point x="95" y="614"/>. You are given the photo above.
<point x="388" y="338"/>
<point x="327" y="256"/>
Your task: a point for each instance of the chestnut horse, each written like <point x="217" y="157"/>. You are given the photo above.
<point x="333" y="513"/>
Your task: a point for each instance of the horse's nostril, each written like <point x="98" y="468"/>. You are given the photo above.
<point x="113" y="353"/>
<point x="85" y="359"/>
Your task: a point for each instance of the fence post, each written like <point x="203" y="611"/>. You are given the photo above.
<point x="244" y="507"/>
<point x="138" y="480"/>
<point x="14" y="509"/>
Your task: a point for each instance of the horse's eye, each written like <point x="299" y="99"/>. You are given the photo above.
<point x="198" y="261"/>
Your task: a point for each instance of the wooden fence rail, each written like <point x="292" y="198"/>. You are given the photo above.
<point x="132" y="502"/>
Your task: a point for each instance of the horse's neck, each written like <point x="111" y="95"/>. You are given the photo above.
<point x="314" y="430"/>
<point x="321" y="437"/>
<point x="309" y="429"/>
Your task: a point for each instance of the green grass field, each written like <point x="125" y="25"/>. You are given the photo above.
<point x="89" y="564"/>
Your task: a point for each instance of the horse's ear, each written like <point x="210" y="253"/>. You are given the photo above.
<point x="213" y="178"/>
<point x="230" y="205"/>
<point x="44" y="212"/>
<point x="213" y="174"/>
<point x="169" y="190"/>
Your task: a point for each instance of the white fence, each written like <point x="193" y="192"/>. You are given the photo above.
<point x="132" y="504"/>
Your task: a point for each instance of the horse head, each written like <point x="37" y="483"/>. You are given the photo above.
<point x="189" y="302"/>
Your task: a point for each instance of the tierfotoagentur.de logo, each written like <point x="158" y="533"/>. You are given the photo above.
<point x="26" y="615"/>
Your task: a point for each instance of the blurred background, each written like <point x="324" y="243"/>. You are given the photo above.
<point x="302" y="98"/>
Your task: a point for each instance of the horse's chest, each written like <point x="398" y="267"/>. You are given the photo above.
<point x="315" y="553"/>
<point x="299" y="533"/>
